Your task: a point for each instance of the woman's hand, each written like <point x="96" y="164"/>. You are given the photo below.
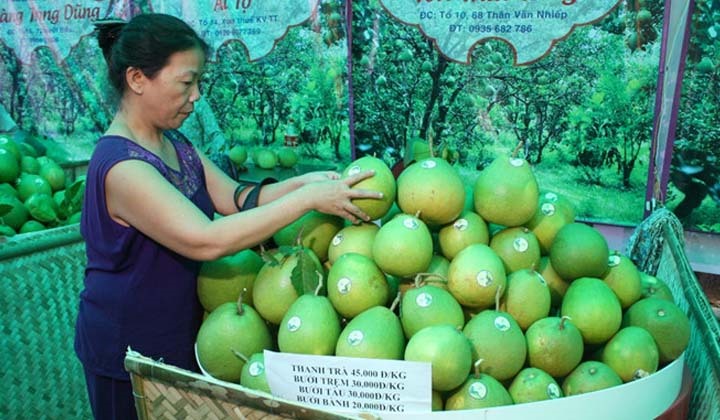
<point x="317" y="176"/>
<point x="334" y="195"/>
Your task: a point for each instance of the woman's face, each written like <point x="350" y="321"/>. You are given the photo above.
<point x="171" y="94"/>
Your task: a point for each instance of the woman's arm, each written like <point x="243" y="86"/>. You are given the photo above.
<point x="139" y="196"/>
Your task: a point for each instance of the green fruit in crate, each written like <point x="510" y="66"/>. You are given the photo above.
<point x="593" y="308"/>
<point x="623" y="277"/>
<point x="506" y="192"/>
<point x="431" y="189"/>
<point x="446" y="349"/>
<point x="631" y="353"/>
<point x="222" y="280"/>
<point x="475" y="275"/>
<point x="253" y="373"/>
<point x="355" y="283"/>
<point x="353" y="238"/>
<point x="15" y="213"/>
<point x="310" y="326"/>
<point x="527" y="297"/>
<point x="265" y="159"/>
<point x="375" y="333"/>
<point x="468" y="229"/>
<point x="497" y="339"/>
<point x="654" y="287"/>
<point x="238" y="155"/>
<point x="517" y="247"/>
<point x="557" y="285"/>
<point x="382" y="181"/>
<point x="29" y="184"/>
<point x="403" y="246"/>
<point x="665" y="321"/>
<point x="273" y="291"/>
<point x="590" y="376"/>
<point x="11" y="146"/>
<point x="41" y="207"/>
<point x="316" y="231"/>
<point x="31" y="226"/>
<point x="555" y="345"/>
<point x="53" y="173"/>
<point x="478" y="391"/>
<point x="8" y="190"/>
<point x="231" y="332"/>
<point x="9" y="166"/>
<point x="547" y="221"/>
<point x="578" y="251"/>
<point x="287" y="157"/>
<point x="30" y="165"/>
<point x="533" y="384"/>
<point x="426" y="305"/>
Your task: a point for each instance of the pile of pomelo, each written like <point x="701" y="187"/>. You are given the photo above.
<point x="34" y="191"/>
<point x="263" y="157"/>
<point x="495" y="284"/>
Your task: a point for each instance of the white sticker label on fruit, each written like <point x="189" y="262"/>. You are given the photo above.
<point x="424" y="300"/>
<point x="428" y="164"/>
<point x="344" y="285"/>
<point x="256" y="368"/>
<point x="355" y="337"/>
<point x="553" y="391"/>
<point x="460" y="224"/>
<point x="521" y="244"/>
<point x="614" y="260"/>
<point x="294" y="324"/>
<point x="350" y="384"/>
<point x="337" y="239"/>
<point x="354" y="170"/>
<point x="478" y="391"/>
<point x="484" y="278"/>
<point x="551" y="197"/>
<point x="502" y="324"/>
<point x="517" y="162"/>
<point x="410" y="223"/>
<point x="548" y="209"/>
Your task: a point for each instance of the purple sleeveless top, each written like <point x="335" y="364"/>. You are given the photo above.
<point x="138" y="293"/>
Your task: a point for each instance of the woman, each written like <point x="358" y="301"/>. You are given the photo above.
<point x="148" y="212"/>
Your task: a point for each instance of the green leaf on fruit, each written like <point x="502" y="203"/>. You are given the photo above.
<point x="305" y="277"/>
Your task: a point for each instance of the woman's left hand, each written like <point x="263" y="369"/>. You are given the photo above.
<point x="318" y="176"/>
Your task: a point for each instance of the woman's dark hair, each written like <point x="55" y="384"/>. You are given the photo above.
<point x="145" y="42"/>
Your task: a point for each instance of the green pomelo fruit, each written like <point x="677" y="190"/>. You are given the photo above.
<point x="375" y="333"/>
<point x="448" y="352"/>
<point x="433" y="189"/>
<point x="355" y="283"/>
<point x="273" y="291"/>
<point x="316" y="230"/>
<point x="623" y="277"/>
<point x="29" y="184"/>
<point x="497" y="339"/>
<point x="7" y="231"/>
<point x="7" y="189"/>
<point x="533" y="384"/>
<point x="631" y="353"/>
<point x="468" y="229"/>
<point x="517" y="247"/>
<point x="555" y="283"/>
<point x="287" y="157"/>
<point x="428" y="305"/>
<point x="353" y="238"/>
<point x="475" y="275"/>
<point x="382" y="181"/>
<point x="53" y="174"/>
<point x="265" y="159"/>
<point x="31" y="226"/>
<point x="30" y="165"/>
<point x="527" y="297"/>
<point x="403" y="246"/>
<point x="26" y="149"/>
<point x="665" y="321"/>
<point x="562" y="204"/>
<point x="9" y="166"/>
<point x="238" y="155"/>
<point x="578" y="251"/>
<point x="506" y="192"/>
<point x="654" y="287"/>
<point x="16" y="216"/>
<point x="231" y="330"/>
<point x="41" y="207"/>
<point x="590" y="376"/>
<point x="310" y="326"/>
<point x="11" y="146"/>
<point x="478" y="391"/>
<point x="253" y="373"/>
<point x="546" y="223"/>
<point x="593" y="308"/>
<point x="222" y="280"/>
<point x="555" y="345"/>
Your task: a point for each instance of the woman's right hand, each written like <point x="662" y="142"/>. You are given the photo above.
<point x="335" y="196"/>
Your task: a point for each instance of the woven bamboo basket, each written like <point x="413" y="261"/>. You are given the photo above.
<point x="657" y="247"/>
<point x="41" y="274"/>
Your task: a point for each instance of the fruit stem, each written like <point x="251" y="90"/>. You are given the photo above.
<point x="498" y="294"/>
<point x="476" y="368"/>
<point x="395" y="302"/>
<point x="239" y="355"/>
<point x="562" y="322"/>
<point x="517" y="149"/>
<point x="240" y="309"/>
<point x="424" y="278"/>
<point x="320" y="283"/>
